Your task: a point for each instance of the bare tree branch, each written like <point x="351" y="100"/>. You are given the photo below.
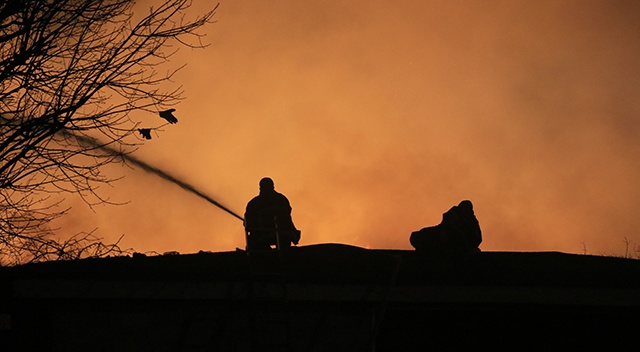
<point x="72" y="71"/>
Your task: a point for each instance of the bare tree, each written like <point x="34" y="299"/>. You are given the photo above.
<point x="71" y="74"/>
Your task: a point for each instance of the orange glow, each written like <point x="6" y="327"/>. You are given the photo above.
<point x="375" y="117"/>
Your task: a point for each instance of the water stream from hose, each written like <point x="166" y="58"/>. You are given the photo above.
<point x="156" y="171"/>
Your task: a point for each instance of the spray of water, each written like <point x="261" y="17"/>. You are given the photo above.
<point x="154" y="170"/>
<point x="184" y="185"/>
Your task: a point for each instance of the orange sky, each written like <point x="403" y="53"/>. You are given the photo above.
<point x="375" y="117"/>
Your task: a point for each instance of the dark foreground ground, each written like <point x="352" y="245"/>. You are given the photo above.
<point x="322" y="298"/>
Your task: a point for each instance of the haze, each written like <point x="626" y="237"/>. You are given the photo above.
<point x="375" y="117"/>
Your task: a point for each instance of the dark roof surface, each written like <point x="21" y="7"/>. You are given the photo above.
<point x="337" y="263"/>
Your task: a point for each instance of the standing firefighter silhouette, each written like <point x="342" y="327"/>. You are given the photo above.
<point x="267" y="219"/>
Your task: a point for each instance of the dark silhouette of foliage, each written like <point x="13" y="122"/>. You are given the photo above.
<point x="145" y="133"/>
<point x="71" y="74"/>
<point x="168" y="115"/>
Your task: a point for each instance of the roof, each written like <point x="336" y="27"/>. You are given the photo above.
<point x="339" y="271"/>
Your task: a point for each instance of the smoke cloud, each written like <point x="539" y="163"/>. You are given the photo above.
<point x="375" y="117"/>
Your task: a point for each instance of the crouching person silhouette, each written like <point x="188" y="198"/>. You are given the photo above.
<point x="458" y="233"/>
<point x="267" y="220"/>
